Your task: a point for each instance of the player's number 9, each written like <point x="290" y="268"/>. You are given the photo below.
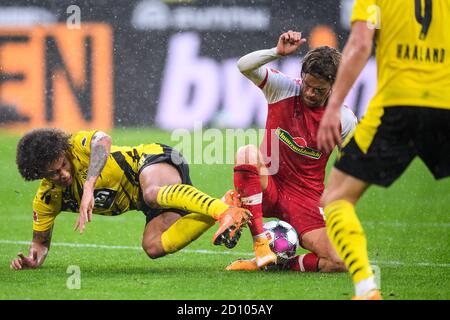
<point x="424" y="20"/>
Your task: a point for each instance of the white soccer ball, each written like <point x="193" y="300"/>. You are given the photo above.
<point x="283" y="240"/>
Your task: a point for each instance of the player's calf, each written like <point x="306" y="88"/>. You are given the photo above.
<point x="322" y="253"/>
<point x="156" y="228"/>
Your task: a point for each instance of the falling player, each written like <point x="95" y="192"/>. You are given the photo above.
<point x="83" y="172"/>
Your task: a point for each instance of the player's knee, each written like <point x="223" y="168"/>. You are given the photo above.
<point x="150" y="195"/>
<point x="324" y="199"/>
<point x="327" y="197"/>
<point x="247" y="155"/>
<point x="152" y="250"/>
<point x="331" y="196"/>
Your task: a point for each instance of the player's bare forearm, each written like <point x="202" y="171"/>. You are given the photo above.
<point x="100" y="148"/>
<point x="41" y="243"/>
<point x="354" y="57"/>
<point x="37" y="253"/>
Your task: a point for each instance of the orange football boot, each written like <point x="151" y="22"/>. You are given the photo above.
<point x="230" y="225"/>
<point x="264" y="255"/>
<point x="242" y="265"/>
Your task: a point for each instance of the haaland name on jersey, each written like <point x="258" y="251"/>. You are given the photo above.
<point x="420" y="53"/>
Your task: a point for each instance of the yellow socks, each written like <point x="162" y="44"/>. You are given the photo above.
<point x="184" y="231"/>
<point x="186" y="197"/>
<point x="346" y="234"/>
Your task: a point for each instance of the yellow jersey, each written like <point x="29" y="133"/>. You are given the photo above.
<point x="412" y="51"/>
<point x="116" y="190"/>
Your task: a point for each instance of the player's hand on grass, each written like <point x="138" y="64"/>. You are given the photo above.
<point x="329" y="134"/>
<point x="289" y="42"/>
<point x="86" y="206"/>
<point x="23" y="262"/>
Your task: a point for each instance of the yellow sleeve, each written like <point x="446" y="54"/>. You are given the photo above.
<point x="366" y="10"/>
<point x="81" y="142"/>
<point x="46" y="206"/>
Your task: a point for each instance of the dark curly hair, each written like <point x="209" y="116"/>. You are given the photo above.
<point x="322" y="63"/>
<point x="38" y="149"/>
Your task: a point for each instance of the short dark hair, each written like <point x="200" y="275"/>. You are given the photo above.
<point x="38" y="149"/>
<point x="322" y="62"/>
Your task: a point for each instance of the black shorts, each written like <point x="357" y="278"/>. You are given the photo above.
<point x="174" y="158"/>
<point x="380" y="154"/>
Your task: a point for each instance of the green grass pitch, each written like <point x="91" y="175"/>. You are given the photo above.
<point x="407" y="226"/>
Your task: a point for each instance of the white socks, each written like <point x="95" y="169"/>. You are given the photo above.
<point x="364" y="286"/>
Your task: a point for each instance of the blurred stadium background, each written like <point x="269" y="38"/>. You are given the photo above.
<point x="105" y="64"/>
<point x="139" y="69"/>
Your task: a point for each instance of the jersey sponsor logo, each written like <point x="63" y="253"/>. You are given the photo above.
<point x="69" y="203"/>
<point x="300" y="141"/>
<point x="297" y="144"/>
<point x="104" y="198"/>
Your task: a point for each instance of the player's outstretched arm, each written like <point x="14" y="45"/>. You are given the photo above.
<point x="250" y="64"/>
<point x="100" y="149"/>
<point x="38" y="252"/>
<point x="354" y="57"/>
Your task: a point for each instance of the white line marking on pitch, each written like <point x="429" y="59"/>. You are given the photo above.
<point x="371" y="223"/>
<point x="104" y="246"/>
<point x="406" y="225"/>
<point x="237" y="253"/>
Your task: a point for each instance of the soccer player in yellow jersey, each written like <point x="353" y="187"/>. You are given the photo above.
<point x="84" y="173"/>
<point x="408" y="116"/>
